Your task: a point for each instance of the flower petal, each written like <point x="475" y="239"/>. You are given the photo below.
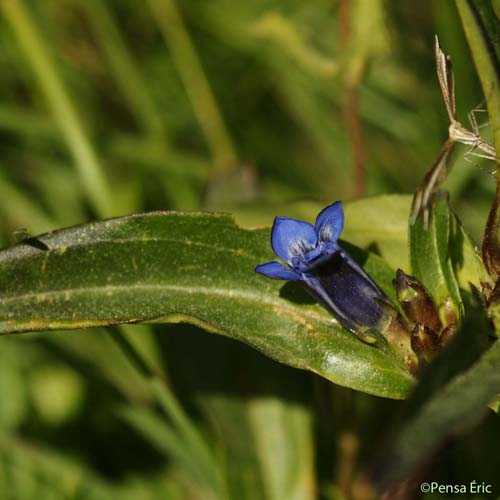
<point x="292" y="238"/>
<point x="277" y="271"/>
<point x="330" y="222"/>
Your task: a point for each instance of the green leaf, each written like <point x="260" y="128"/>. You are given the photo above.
<point x="482" y="30"/>
<point x="430" y="255"/>
<point x="452" y="395"/>
<point x="258" y="412"/>
<point x="284" y="447"/>
<point x="465" y="258"/>
<point x="378" y="224"/>
<point x="186" y="267"/>
<point x="31" y="470"/>
<point x="200" y="468"/>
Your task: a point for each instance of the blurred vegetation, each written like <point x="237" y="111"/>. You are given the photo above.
<point x="109" y="107"/>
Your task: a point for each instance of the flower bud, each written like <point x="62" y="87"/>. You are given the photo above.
<point x="424" y="342"/>
<point x="416" y="302"/>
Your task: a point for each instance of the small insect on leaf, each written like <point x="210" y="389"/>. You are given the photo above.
<point x="22" y="236"/>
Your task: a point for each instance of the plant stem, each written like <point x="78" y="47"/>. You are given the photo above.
<point x="91" y="174"/>
<point x="163" y="395"/>
<point x="481" y="31"/>
<point x="127" y="76"/>
<point x="351" y="100"/>
<point x="21" y="209"/>
<point x="169" y="19"/>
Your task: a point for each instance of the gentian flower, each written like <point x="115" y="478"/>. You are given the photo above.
<point x="314" y="257"/>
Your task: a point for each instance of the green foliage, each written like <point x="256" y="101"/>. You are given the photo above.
<point x="431" y="258"/>
<point x="453" y="396"/>
<point x="198" y="268"/>
<point x="257" y="108"/>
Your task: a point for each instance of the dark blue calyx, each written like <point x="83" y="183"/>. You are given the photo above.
<point x="347" y="292"/>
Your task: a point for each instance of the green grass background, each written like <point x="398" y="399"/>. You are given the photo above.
<point x="110" y="107"/>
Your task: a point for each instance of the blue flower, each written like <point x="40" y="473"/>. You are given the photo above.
<point x="314" y="256"/>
